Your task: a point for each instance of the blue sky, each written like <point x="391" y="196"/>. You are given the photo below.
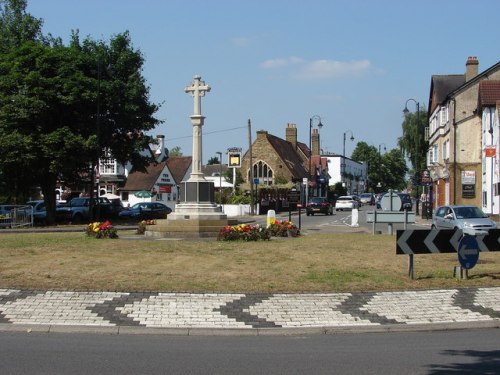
<point x="353" y="63"/>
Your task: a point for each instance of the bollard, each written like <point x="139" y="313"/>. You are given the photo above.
<point x="271" y="217"/>
<point x="354" y="217"/>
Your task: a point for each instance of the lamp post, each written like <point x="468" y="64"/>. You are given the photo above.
<point x="385" y="148"/>
<point x="220" y="175"/>
<point x="342" y="167"/>
<point x="320" y="125"/>
<point x="417" y="141"/>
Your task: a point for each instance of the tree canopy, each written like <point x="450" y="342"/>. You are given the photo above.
<point x="412" y="143"/>
<point x="62" y="106"/>
<point x="388" y="169"/>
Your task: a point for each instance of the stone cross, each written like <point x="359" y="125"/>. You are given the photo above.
<point x="197" y="90"/>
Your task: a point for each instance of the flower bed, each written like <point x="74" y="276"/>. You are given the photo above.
<point x="142" y="225"/>
<point x="243" y="232"/>
<point x="101" y="230"/>
<point x="284" y="228"/>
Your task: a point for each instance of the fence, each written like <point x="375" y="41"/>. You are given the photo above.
<point x="15" y="216"/>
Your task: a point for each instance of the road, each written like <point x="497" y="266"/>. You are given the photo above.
<point x="342" y="220"/>
<point x="439" y="352"/>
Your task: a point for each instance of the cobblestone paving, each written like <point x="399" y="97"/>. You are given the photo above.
<point x="210" y="310"/>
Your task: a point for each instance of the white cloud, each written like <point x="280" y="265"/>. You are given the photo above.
<point x="320" y="69"/>
<point x="278" y="63"/>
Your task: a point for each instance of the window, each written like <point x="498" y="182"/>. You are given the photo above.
<point x="263" y="172"/>
<point x="444" y="115"/>
<point x="446" y="149"/>
<point x="107" y="164"/>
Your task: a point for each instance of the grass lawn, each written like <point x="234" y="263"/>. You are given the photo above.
<point x="310" y="263"/>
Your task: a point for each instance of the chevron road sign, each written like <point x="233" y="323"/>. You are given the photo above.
<point x="424" y="241"/>
<point x="434" y="241"/>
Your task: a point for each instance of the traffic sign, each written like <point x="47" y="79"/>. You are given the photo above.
<point x="390" y="202"/>
<point x="293" y="196"/>
<point x="429" y="241"/>
<point x="468" y="252"/>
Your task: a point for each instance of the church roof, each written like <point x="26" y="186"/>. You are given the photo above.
<point x="289" y="156"/>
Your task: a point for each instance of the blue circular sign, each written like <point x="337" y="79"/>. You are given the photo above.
<point x="468" y="252"/>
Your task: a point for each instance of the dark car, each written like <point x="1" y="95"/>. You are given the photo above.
<point x="319" y="205"/>
<point x="39" y="212"/>
<point x="406" y="203"/>
<point x="146" y="210"/>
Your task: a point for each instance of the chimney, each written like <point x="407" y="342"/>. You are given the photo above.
<point x="315" y="142"/>
<point x="471" y="68"/>
<point x="261" y="134"/>
<point x="291" y="134"/>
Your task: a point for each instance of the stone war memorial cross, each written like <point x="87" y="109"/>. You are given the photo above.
<point x="197" y="89"/>
<point x="196" y="214"/>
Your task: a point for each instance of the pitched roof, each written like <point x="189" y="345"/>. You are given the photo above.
<point x="289" y="156"/>
<point x="442" y="85"/>
<point x="489" y="93"/>
<point x="213" y="169"/>
<point x="138" y="181"/>
<point x="178" y="166"/>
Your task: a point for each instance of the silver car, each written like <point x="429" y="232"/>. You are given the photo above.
<point x="469" y="219"/>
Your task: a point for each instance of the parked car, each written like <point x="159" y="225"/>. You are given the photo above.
<point x="319" y="205"/>
<point x="406" y="202"/>
<point x="39" y="211"/>
<point x="78" y="209"/>
<point x="145" y="210"/>
<point x="346" y="202"/>
<point x="367" y="198"/>
<point x="469" y="219"/>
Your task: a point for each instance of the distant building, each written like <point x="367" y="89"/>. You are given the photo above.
<point x="352" y="174"/>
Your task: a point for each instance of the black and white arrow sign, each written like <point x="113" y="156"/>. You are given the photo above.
<point x="433" y="241"/>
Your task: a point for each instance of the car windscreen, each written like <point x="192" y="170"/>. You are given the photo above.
<point x="469" y="213"/>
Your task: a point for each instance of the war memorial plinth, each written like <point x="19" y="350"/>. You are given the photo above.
<point x="196" y="215"/>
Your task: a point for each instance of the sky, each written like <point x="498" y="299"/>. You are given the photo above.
<point x="351" y="64"/>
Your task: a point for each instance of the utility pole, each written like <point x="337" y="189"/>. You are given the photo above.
<point x="252" y="200"/>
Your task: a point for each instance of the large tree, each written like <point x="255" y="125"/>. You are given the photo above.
<point x="61" y="106"/>
<point x="387" y="169"/>
<point x="412" y="143"/>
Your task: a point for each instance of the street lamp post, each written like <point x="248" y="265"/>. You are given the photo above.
<point x="220" y="175"/>
<point x="342" y="167"/>
<point x="320" y="125"/>
<point x="417" y="141"/>
<point x="385" y="148"/>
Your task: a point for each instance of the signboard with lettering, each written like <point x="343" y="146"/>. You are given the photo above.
<point x="165" y="188"/>
<point x="468" y="177"/>
<point x="234" y="159"/>
<point x="468" y="191"/>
